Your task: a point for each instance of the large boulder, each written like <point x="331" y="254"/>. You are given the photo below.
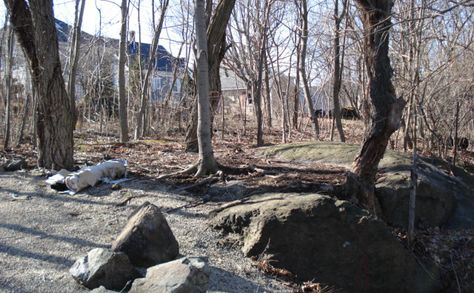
<point x="187" y="274"/>
<point x="442" y="199"/>
<point x="435" y="195"/>
<point x="147" y="238"/>
<point x="330" y="241"/>
<point x="102" y="267"/>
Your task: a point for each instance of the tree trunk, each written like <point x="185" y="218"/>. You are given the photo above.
<point x="33" y="22"/>
<point x="121" y="78"/>
<point x="304" y="76"/>
<point x="151" y="63"/>
<point x="385" y="108"/>
<point x="414" y="182"/>
<point x="74" y="54"/>
<point x="296" y="92"/>
<point x="268" y="101"/>
<point x="207" y="163"/>
<point x="258" y="86"/>
<point x="217" y="47"/>
<point x="337" y="77"/>
<point x="21" y="130"/>
<point x="8" y="85"/>
<point x="34" y="131"/>
<point x="456" y="133"/>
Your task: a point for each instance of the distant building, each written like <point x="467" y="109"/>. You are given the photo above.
<point x="168" y="70"/>
<point x="234" y="92"/>
<point x="237" y="96"/>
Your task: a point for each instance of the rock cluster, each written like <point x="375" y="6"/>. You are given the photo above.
<point x="146" y="242"/>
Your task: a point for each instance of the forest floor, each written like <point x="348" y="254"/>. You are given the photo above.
<point x="43" y="232"/>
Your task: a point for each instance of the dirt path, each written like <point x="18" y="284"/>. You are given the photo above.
<point x="43" y="232"/>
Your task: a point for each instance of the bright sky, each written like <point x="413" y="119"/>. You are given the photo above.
<point x="109" y="12"/>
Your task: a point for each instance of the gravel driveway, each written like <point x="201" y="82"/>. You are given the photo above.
<point x="43" y="232"/>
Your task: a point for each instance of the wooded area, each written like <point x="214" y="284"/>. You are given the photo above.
<point x="366" y="104"/>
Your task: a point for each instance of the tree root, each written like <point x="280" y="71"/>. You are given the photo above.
<point x="190" y="170"/>
<point x="362" y="193"/>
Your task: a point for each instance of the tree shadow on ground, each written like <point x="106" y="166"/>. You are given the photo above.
<point x="41" y="234"/>
<point x="17" y="252"/>
<point x="59" y="197"/>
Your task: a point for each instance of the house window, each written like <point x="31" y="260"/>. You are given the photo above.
<point x="177" y="86"/>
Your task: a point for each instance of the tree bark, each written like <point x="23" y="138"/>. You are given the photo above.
<point x="296" y="91"/>
<point x="8" y="85"/>
<point x="207" y="163"/>
<point x="121" y="78"/>
<point x="21" y="130"/>
<point x="337" y="73"/>
<point x="33" y="22"/>
<point x="456" y="133"/>
<point x="217" y="47"/>
<point x="385" y="108"/>
<point x="268" y="98"/>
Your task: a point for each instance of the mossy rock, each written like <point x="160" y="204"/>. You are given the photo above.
<point x="341" y="154"/>
<point x="442" y="200"/>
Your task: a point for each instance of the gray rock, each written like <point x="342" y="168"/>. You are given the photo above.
<point x="435" y="201"/>
<point x="333" y="242"/>
<point x="102" y="267"/>
<point x="187" y="274"/>
<point x="147" y="238"/>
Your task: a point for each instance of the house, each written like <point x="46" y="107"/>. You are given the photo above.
<point x="168" y="71"/>
<point x="237" y="96"/>
<point x="234" y="92"/>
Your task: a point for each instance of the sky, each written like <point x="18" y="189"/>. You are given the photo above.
<point x="110" y="24"/>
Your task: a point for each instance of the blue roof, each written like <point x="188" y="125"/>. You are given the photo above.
<point x="164" y="61"/>
<point x="63" y="30"/>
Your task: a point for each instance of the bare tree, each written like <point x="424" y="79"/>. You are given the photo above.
<point x="217" y="49"/>
<point x="303" y="11"/>
<point x="338" y="68"/>
<point x="33" y="22"/>
<point x="151" y="64"/>
<point x="261" y="59"/>
<point x="386" y="109"/>
<point x="121" y="78"/>
<point x="207" y="163"/>
<point x="74" y="51"/>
